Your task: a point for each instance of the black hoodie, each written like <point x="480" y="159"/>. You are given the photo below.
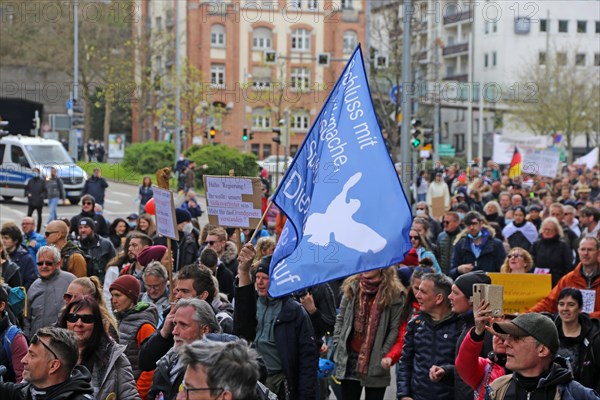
<point x="77" y="387"/>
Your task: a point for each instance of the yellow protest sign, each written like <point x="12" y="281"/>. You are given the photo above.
<point x="522" y="291"/>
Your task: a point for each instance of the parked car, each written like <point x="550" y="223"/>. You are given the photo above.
<point x="270" y="163"/>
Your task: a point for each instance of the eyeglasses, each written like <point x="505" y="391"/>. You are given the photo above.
<point x="68" y="296"/>
<point x="414" y="237"/>
<point x="154" y="287"/>
<point x="210" y="243"/>
<point x="46" y="263"/>
<point x="473" y="223"/>
<point x="514" y="255"/>
<point x="36" y="339"/>
<point x="86" y="203"/>
<point x="85" y="318"/>
<point x="26" y="223"/>
<point x="48" y="233"/>
<point x="187" y="391"/>
<point x="421" y="209"/>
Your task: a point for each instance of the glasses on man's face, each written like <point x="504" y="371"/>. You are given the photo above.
<point x="85" y="318"/>
<point x="154" y="287"/>
<point x="48" y="233"/>
<point x="210" y="242"/>
<point x="86" y="203"/>
<point x="46" y="263"/>
<point x="36" y="339"/>
<point x="188" y="390"/>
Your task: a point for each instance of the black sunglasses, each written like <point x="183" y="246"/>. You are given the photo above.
<point x="414" y="237"/>
<point x="86" y="202"/>
<point x="36" y="339"/>
<point x="85" y="318"/>
<point x="210" y="243"/>
<point x="47" y="263"/>
<point x="48" y="233"/>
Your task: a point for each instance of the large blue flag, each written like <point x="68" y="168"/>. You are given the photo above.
<point x="347" y="212"/>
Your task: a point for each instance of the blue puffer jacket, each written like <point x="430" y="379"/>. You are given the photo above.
<point x="490" y="259"/>
<point x="427" y="343"/>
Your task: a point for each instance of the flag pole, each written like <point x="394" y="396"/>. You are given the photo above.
<point x="259" y="225"/>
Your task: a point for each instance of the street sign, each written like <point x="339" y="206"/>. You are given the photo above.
<point x="394" y="93"/>
<point x="446" y="150"/>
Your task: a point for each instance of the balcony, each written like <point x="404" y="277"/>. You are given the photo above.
<point x="455" y="49"/>
<point x="457" y="78"/>
<point x="422" y="55"/>
<point x="458" y="17"/>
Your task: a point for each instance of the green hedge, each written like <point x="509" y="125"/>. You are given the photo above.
<point x="146" y="158"/>
<point x="219" y="160"/>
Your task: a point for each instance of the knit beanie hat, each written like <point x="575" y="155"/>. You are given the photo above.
<point x="151" y="253"/>
<point x="263" y="265"/>
<point x="182" y="215"/>
<point x="465" y="282"/>
<point x="128" y="285"/>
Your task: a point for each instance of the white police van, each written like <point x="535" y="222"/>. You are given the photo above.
<point x="20" y="154"/>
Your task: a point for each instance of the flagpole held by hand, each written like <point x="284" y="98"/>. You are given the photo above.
<point x="260" y="222"/>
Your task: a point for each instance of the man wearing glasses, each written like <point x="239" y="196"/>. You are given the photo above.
<point x="32" y="239"/>
<point x="73" y="259"/>
<point x="531" y="342"/>
<point x="50" y="371"/>
<point x="45" y="296"/>
<point x="87" y="210"/>
<point x="445" y="241"/>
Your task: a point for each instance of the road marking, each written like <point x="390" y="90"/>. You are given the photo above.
<point x="122" y="194"/>
<point x="113" y="202"/>
<point x="19" y="213"/>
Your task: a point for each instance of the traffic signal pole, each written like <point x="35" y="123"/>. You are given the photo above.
<point x="406" y="174"/>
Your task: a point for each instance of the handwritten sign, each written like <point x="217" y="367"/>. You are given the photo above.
<point x="166" y="224"/>
<point x="522" y="291"/>
<point x="541" y="162"/>
<point x="589" y="300"/>
<point x="234" y="202"/>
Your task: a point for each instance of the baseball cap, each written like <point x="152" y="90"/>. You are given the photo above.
<point x="87" y="221"/>
<point x="535" y="325"/>
<point x="132" y="216"/>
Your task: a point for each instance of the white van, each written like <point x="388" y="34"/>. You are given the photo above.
<point x="20" y="154"/>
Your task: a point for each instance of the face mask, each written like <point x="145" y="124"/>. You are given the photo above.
<point x="131" y="224"/>
<point x="188" y="228"/>
<point x="508" y="221"/>
<point x="461" y="216"/>
<point x="36" y="174"/>
<point x="420" y="212"/>
<point x="474" y="237"/>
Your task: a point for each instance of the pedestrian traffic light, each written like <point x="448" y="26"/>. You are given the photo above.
<point x="428" y="136"/>
<point x="78" y="117"/>
<point x="417" y="134"/>
<point x="213" y="132"/>
<point x="277" y="139"/>
<point x="245" y="135"/>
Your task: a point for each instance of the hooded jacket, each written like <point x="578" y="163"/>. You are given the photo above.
<point x="553" y="254"/>
<point x="77" y="387"/>
<point x="10" y="273"/>
<point x="490" y="259"/>
<point x="229" y="257"/>
<point x="35" y="191"/>
<point x="557" y="384"/>
<point x="583" y="352"/>
<point x="101" y="225"/>
<point x="27" y="267"/>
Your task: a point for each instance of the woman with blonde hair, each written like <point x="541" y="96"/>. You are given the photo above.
<point x="91" y="286"/>
<point x="365" y="330"/>
<point x="518" y="261"/>
<point x="146" y="225"/>
<point x="265" y="246"/>
<point x="551" y="253"/>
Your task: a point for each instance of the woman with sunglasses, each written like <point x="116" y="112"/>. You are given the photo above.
<point x="419" y="244"/>
<point x="92" y="287"/>
<point x="98" y="352"/>
<point x="518" y="261"/>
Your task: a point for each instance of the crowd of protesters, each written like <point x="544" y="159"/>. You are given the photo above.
<point x="88" y="309"/>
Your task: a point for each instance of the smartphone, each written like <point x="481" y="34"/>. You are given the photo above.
<point x="493" y="294"/>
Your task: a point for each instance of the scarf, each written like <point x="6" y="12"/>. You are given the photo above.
<point x="366" y="319"/>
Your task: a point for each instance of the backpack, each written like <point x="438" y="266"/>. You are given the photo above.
<point x="17" y="301"/>
<point x="88" y="260"/>
<point x="7" y="340"/>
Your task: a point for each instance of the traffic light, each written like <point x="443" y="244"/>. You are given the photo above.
<point x="251" y="135"/>
<point x="78" y="117"/>
<point x="417" y="134"/>
<point x="213" y="132"/>
<point x="428" y="136"/>
<point x="277" y="139"/>
<point x="245" y="135"/>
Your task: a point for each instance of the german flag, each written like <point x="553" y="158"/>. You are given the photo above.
<point x="515" y="165"/>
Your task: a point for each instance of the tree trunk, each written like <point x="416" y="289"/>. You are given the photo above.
<point x="107" y="117"/>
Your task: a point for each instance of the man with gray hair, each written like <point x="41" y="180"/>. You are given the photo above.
<point x="227" y="369"/>
<point x="194" y="319"/>
<point x="429" y="344"/>
<point x="155" y="279"/>
<point x="45" y="296"/>
<point x="50" y="371"/>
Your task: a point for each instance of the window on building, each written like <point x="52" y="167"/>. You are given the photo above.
<point x="542" y="58"/>
<point x="494" y="59"/>
<point x="486" y="27"/>
<point x="563" y="26"/>
<point x="561" y="58"/>
<point x="486" y="60"/>
<point x="262" y="38"/>
<point x="485" y="127"/>
<point x="459" y="142"/>
<point x="261" y="119"/>
<point x="494" y="27"/>
<point x="296" y="4"/>
<point x="347" y="4"/>
<point x="255" y="149"/>
<point x="217" y="75"/>
<point x="301" y="40"/>
<point x="597" y="60"/>
<point x="293" y="150"/>
<point x="350" y="41"/>
<point x="266" y="150"/>
<point x="300" y="121"/>
<point x="300" y="78"/>
<point x="580" y="59"/>
<point x="581" y="26"/>
<point x="597" y="26"/>
<point x="543" y="25"/>
<point x="261" y="77"/>
<point x="313" y="4"/>
<point x="217" y="35"/>
<point x="158" y="23"/>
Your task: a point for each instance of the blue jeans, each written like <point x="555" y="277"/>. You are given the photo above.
<point x="53" y="204"/>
